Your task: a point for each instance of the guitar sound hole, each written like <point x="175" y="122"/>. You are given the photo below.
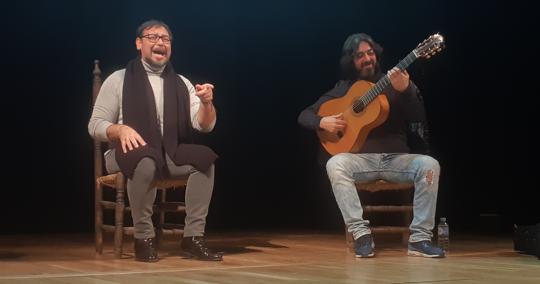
<point x="358" y="106"/>
<point x="340" y="134"/>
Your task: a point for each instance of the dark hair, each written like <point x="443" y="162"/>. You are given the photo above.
<point x="150" y="24"/>
<point x="346" y="63"/>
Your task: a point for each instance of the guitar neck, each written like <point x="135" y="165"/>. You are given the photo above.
<point x="385" y="81"/>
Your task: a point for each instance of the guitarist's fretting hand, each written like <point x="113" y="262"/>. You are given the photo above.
<point x="399" y="79"/>
<point x="333" y="123"/>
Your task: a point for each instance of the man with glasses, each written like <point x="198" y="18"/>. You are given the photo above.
<point x="385" y="153"/>
<point x="148" y="113"/>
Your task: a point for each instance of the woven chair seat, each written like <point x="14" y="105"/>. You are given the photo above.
<point x="110" y="181"/>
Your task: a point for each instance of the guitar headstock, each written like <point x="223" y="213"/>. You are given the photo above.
<point x="430" y="46"/>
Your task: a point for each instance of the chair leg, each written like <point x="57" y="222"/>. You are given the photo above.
<point x="408" y="219"/>
<point x="98" y="218"/>
<point x="405" y="238"/>
<point x="119" y="215"/>
<point x="161" y="218"/>
<point x="349" y="239"/>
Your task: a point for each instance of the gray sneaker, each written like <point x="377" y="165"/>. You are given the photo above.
<point x="425" y="249"/>
<point x="363" y="246"/>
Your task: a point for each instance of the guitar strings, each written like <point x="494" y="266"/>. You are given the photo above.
<point x="382" y="83"/>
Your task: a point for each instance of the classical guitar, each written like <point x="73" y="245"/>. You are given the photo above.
<point x="365" y="107"/>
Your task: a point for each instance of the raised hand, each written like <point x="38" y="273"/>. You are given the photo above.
<point x="205" y="92"/>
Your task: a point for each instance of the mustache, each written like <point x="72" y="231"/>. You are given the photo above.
<point x="368" y="63"/>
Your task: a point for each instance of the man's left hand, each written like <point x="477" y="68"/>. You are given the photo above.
<point x="205" y="92"/>
<point x="399" y="79"/>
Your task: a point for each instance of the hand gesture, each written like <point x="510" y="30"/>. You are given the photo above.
<point x="205" y="92"/>
<point x="129" y="138"/>
<point x="333" y="123"/>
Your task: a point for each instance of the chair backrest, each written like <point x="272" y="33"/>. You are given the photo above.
<point x="98" y="154"/>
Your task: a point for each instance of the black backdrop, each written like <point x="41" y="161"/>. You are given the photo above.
<point x="269" y="60"/>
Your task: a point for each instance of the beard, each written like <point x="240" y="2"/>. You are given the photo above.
<point x="156" y="64"/>
<point x="162" y="55"/>
<point x="369" y="70"/>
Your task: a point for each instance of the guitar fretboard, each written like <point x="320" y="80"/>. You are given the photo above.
<point x="376" y="90"/>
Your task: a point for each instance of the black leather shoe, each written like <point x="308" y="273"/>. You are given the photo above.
<point x="145" y="250"/>
<point x="196" y="247"/>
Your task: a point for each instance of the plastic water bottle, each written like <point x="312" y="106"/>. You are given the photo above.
<point x="443" y="235"/>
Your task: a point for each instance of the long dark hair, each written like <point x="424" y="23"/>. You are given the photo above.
<point x="346" y="63"/>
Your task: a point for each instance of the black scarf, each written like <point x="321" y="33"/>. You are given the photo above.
<point x="139" y="112"/>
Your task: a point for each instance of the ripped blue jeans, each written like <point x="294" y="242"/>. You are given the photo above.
<point x="347" y="168"/>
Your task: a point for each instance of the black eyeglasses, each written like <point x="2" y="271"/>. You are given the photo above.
<point x="360" y="54"/>
<point x="153" y="38"/>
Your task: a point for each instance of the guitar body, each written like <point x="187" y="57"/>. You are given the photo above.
<point x="352" y="138"/>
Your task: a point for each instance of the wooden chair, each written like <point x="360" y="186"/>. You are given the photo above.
<point x="117" y="182"/>
<point x="406" y="208"/>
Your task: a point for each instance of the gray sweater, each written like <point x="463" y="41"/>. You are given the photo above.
<point x="108" y="107"/>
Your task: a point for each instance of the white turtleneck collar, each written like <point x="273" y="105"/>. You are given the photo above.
<point x="153" y="69"/>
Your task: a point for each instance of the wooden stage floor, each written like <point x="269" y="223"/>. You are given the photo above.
<point x="263" y="258"/>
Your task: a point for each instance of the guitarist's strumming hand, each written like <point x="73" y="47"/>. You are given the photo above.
<point x="399" y="79"/>
<point x="333" y="123"/>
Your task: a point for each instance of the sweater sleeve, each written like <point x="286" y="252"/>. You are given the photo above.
<point x="413" y="106"/>
<point x="107" y="106"/>
<point x="309" y="118"/>
<point x="194" y="104"/>
<point x="416" y="121"/>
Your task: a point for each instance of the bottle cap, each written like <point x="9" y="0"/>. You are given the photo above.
<point x="443" y="219"/>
